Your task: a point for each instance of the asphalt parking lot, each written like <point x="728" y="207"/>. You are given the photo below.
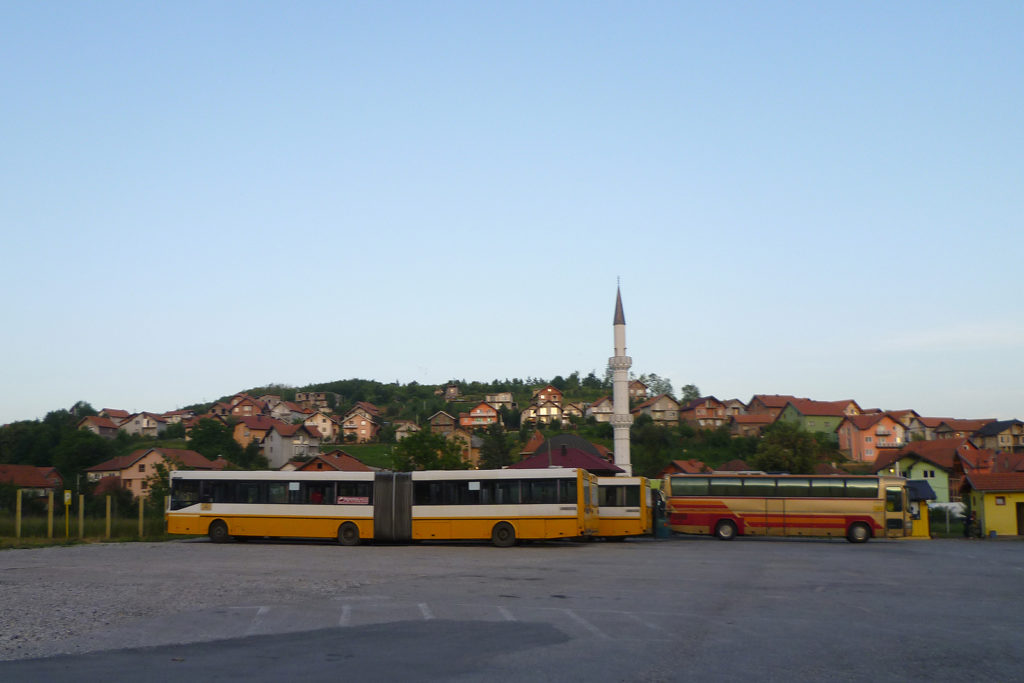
<point x="645" y="610"/>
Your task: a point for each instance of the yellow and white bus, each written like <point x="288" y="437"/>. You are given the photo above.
<point x="625" y="507"/>
<point x="757" y="504"/>
<point x="501" y="505"/>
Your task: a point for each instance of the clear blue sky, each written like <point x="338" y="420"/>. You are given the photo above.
<point x="820" y="199"/>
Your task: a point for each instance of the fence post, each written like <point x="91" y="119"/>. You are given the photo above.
<point x="142" y="507"/>
<point x="81" y="515"/>
<point x="108" y="518"/>
<point x="17" y="514"/>
<point x="49" y="514"/>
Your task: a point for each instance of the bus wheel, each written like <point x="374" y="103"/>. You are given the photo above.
<point x="503" y="535"/>
<point x="725" y="530"/>
<point x="858" y="533"/>
<point x="348" y="534"/>
<point x="218" y="531"/>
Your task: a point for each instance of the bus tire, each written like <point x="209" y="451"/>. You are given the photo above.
<point x="503" y="535"/>
<point x="218" y="531"/>
<point x="859" y="532"/>
<point x="725" y="530"/>
<point x="348" y="534"/>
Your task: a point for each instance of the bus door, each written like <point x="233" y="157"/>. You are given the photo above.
<point x="392" y="506"/>
<point x="896" y="520"/>
<point x="775" y="516"/>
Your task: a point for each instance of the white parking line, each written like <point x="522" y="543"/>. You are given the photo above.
<point x="255" y="623"/>
<point x="346" y="616"/>
<point x="586" y="624"/>
<point x="427" y="614"/>
<point x="505" y="614"/>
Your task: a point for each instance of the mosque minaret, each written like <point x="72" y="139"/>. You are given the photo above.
<point x="620" y="363"/>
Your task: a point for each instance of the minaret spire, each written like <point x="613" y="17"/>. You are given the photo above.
<point x="620" y="364"/>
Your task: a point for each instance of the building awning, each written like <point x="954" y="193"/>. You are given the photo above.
<point x="918" y="489"/>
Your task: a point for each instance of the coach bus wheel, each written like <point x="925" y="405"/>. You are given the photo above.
<point x="348" y="534"/>
<point x="503" y="535"/>
<point x="858" y="533"/>
<point x="218" y="532"/>
<point x="725" y="530"/>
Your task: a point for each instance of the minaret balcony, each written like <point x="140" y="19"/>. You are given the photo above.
<point x="620" y="362"/>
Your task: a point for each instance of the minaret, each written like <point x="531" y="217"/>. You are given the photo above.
<point x="619" y="363"/>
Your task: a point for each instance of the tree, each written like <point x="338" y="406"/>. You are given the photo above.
<point x="496" y="451"/>
<point x="424" y="450"/>
<point x="158" y="484"/>
<point x="786" y="447"/>
<point x="212" y="438"/>
<point x="689" y="393"/>
<point x="77" y="451"/>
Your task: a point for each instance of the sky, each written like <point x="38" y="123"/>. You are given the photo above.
<point x="817" y="199"/>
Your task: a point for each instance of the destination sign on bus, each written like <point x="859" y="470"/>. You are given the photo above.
<point x="353" y="500"/>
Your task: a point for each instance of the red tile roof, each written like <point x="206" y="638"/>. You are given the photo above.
<point x="736" y="465"/>
<point x="863" y="422"/>
<point x="335" y="460"/>
<point x="566" y="456"/>
<point x="185" y="458"/>
<point x="940" y="452"/>
<point x="774" y="400"/>
<point x="691" y="466"/>
<point x="761" y="419"/>
<point x="821" y="408"/>
<point x="1003" y="481"/>
<point x="98" y="421"/>
<point x="31" y="477"/>
<point x="260" y="422"/>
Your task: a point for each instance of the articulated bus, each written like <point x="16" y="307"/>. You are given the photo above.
<point x="501" y="505"/>
<point x="757" y="504"/>
<point x="624" y="505"/>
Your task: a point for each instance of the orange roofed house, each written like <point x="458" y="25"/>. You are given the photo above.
<point x="133" y="470"/>
<point x="861" y="436"/>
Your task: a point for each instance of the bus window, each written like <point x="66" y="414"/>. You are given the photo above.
<point x="759" y="487"/>
<point x="248" y="492"/>
<point x="794" y="487"/>
<point x="540" y="491"/>
<point x="861" y="488"/>
<point x="506" y="492"/>
<point x="726" y="486"/>
<point x="184" y="492"/>
<point x="689" y="486"/>
<point x="893" y="499"/>
<point x="567" y="491"/>
<point x="827" y="488"/>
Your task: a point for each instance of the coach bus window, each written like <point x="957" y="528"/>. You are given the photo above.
<point x="794" y="487"/>
<point x="248" y="492"/>
<point x="759" y="487"/>
<point x="726" y="486"/>
<point x="862" y="488"/>
<point x="506" y="492"/>
<point x="689" y="486"/>
<point x="827" y="488"/>
<point x="611" y="496"/>
<point x="893" y="499"/>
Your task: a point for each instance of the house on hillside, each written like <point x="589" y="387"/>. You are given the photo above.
<point x="818" y="417"/>
<point x="923" y="428"/>
<point x="100" y="426"/>
<point x="144" y="424"/>
<point x="749" y="425"/>
<point x="404" y="428"/>
<point x="469" y="444"/>
<point x="114" y="415"/>
<point x="663" y="410"/>
<point x="959" y="429"/>
<point x="316" y="400"/>
<point x="286" y="442"/>
<point x="361" y="423"/>
<point x="1002" y="435"/>
<point x="35" y="482"/>
<point x="691" y="466"/>
<point x="335" y="461"/>
<point x="134" y="470"/>
<point x="244" y="405"/>
<point x="769" y="404"/>
<point x="442" y="423"/>
<point x="255" y="428"/>
<point x="481" y="416"/>
<point x="637" y="391"/>
<point x="862" y="436"/>
<point x="706" y="412"/>
<point x="289" y="411"/>
<point x="329" y="426"/>
<point x="601" y="410"/>
<point x="543" y="413"/>
<point x="934" y="461"/>
<point x="546" y="394"/>
<point x="569" y="450"/>
<point x="501" y="399"/>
